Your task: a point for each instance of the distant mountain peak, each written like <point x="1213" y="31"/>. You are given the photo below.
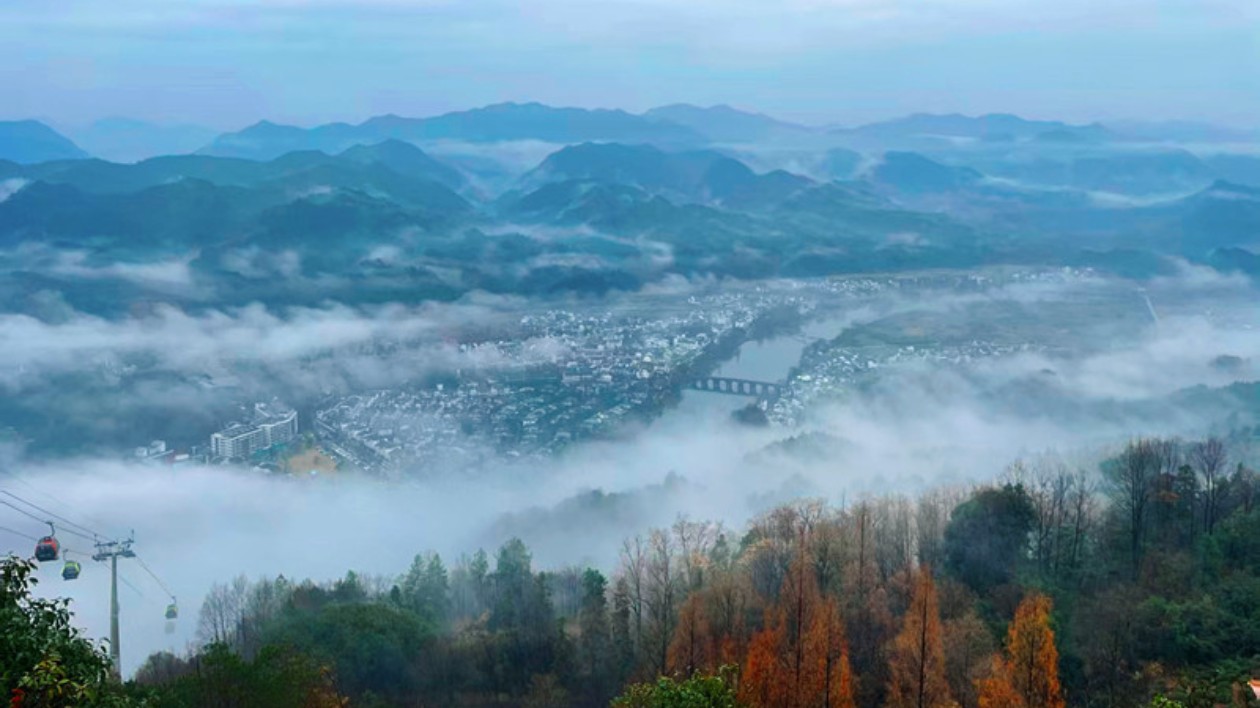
<point x="691" y="176"/>
<point x="1227" y="189"/>
<point x="406" y="159"/>
<point x="724" y="123"/>
<point x="386" y="145"/>
<point x="912" y="172"/>
<point x="31" y="141"/>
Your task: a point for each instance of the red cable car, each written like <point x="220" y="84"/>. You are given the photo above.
<point x="48" y="549"/>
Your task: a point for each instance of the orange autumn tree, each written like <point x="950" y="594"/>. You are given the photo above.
<point x="800" y="658"/>
<point x="761" y="681"/>
<point x="1032" y="661"/>
<point x="917" y="664"/>
<point x="825" y="641"/>
<point x="996" y="691"/>
<point x="799" y="601"/>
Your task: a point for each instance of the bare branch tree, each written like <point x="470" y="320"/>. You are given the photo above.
<point x="1133" y="478"/>
<point x="1210" y="459"/>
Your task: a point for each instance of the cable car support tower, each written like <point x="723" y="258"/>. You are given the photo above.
<point x="49" y="548"/>
<point x="111" y="551"/>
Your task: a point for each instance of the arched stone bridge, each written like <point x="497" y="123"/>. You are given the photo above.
<point x="738" y="387"/>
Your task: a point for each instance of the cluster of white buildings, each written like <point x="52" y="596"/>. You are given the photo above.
<point x="270" y="425"/>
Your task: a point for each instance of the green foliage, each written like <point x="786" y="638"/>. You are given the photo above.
<point x="42" y="657"/>
<point x="700" y="691"/>
<point x="399" y="647"/>
<point x="1236" y="544"/>
<point x="1209" y="627"/>
<point x="277" y="678"/>
<point x="425" y="590"/>
<point x="987" y="536"/>
<point x="1222" y="683"/>
<point x="370" y="645"/>
<point x="520" y="600"/>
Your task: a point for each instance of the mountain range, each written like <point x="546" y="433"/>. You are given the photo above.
<point x="497" y="123"/>
<point x="399" y="219"/>
<point x="673" y="126"/>
<point x="991" y="127"/>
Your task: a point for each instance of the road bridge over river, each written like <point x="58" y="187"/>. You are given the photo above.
<point x="738" y="387"/>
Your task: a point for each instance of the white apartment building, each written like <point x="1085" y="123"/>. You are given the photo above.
<point x="239" y="440"/>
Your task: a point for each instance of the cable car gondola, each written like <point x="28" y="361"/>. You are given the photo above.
<point x="48" y="548"/>
<point x="172" y="611"/>
<point x="71" y="570"/>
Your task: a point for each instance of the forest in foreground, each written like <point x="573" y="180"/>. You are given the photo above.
<point x="1136" y="584"/>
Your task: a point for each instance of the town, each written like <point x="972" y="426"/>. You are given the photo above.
<point x="561" y="376"/>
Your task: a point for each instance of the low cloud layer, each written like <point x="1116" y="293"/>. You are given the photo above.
<point x="329" y="340"/>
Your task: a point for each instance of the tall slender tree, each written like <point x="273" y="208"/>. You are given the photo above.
<point x="1210" y="460"/>
<point x="689" y="649"/>
<point x="799" y="602"/>
<point x="829" y="653"/>
<point x="1032" y="659"/>
<point x="622" y="638"/>
<point x="969" y="648"/>
<point x="594" y="643"/>
<point x="917" y="665"/>
<point x="1132" y="476"/>
<point x="761" y="681"/>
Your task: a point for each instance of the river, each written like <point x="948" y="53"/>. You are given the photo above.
<point x="757" y="360"/>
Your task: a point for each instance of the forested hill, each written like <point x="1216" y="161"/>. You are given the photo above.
<point x="1136" y="584"/>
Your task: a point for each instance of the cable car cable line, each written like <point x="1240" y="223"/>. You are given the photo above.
<point x="172" y="610"/>
<point x="19" y="534"/>
<point x="23" y="511"/>
<point x="46" y="495"/>
<point x="131" y="585"/>
<point x="161" y="584"/>
<point x="20" y="510"/>
<point x="85" y="537"/>
<point x="58" y="517"/>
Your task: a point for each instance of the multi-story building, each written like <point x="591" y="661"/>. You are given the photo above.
<point x="269" y="427"/>
<point x="156" y="451"/>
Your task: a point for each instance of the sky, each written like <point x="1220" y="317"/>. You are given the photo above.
<point x="228" y="63"/>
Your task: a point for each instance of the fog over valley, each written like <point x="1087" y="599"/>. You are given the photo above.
<point x="940" y="380"/>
